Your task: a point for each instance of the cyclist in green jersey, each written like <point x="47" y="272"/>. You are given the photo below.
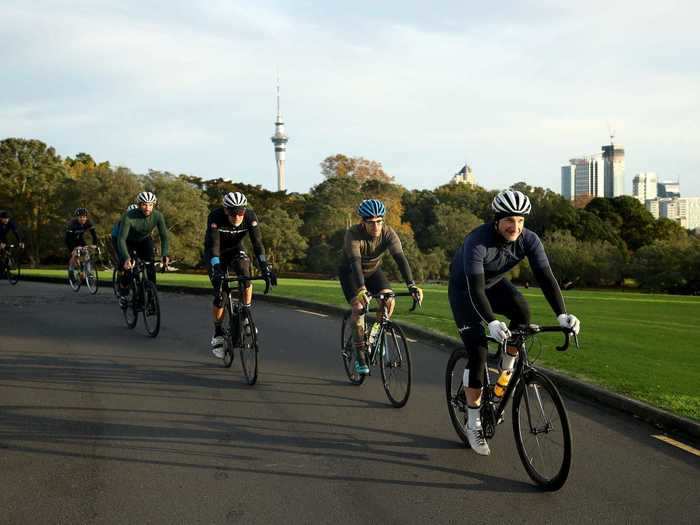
<point x="135" y="236"/>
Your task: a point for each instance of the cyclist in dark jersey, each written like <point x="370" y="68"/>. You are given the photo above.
<point x="76" y="229"/>
<point x="135" y="236"/>
<point x="7" y="225"/>
<point x="223" y="249"/>
<point x="360" y="273"/>
<point x="478" y="290"/>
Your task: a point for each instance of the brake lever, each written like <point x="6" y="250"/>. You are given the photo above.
<point x="565" y="346"/>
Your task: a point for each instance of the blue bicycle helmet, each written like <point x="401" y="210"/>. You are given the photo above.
<point x="371" y="208"/>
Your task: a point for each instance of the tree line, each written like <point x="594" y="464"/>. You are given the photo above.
<point x="598" y="243"/>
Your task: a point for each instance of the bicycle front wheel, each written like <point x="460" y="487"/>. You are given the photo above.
<point x="347" y="351"/>
<point x="454" y="389"/>
<point x="249" y="346"/>
<point x="231" y="334"/>
<point x="91" y="277"/>
<point x="131" y="311"/>
<point x="542" y="433"/>
<point x="395" y="365"/>
<point x="12" y="270"/>
<point x="115" y="281"/>
<point x="151" y="308"/>
<point x="74" y="278"/>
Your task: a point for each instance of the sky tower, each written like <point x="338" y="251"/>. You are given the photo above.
<point x="279" y="139"/>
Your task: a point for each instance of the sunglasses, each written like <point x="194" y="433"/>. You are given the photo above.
<point x="233" y="211"/>
<point x="376" y="222"/>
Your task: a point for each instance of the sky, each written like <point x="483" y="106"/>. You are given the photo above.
<point x="514" y="89"/>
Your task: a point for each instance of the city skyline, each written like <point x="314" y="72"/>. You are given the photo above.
<point x="190" y="89"/>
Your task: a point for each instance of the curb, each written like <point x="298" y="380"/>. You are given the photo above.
<point x="657" y="417"/>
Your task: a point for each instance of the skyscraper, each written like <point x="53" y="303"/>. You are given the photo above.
<point x="644" y="186"/>
<point x="279" y="139"/>
<point x="614" y="170"/>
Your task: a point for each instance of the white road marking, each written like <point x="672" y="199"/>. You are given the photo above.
<point x="677" y="444"/>
<point x="310" y="313"/>
<point x="411" y="340"/>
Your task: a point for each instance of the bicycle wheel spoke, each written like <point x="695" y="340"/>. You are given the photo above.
<point x="395" y="364"/>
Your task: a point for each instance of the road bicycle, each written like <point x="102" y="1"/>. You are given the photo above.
<point x="9" y="263"/>
<point x="86" y="271"/>
<point x="386" y="345"/>
<point x="240" y="331"/>
<point x="142" y="297"/>
<point x="540" y="422"/>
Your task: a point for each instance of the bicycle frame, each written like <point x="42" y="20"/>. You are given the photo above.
<point x="374" y="349"/>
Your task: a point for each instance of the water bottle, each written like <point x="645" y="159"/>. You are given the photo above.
<point x="500" y="387"/>
<point x="373" y="333"/>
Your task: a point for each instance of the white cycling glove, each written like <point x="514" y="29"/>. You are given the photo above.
<point x="499" y="331"/>
<point x="569" y="321"/>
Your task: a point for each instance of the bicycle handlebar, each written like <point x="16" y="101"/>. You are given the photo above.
<point x="242" y="279"/>
<point x="381" y="296"/>
<point x="533" y="329"/>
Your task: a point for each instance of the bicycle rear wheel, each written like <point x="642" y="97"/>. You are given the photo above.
<point x="249" y="346"/>
<point x="454" y="390"/>
<point x="347" y="350"/>
<point x="131" y="311"/>
<point x="542" y="433"/>
<point x="151" y="308"/>
<point x="74" y="278"/>
<point x="12" y="269"/>
<point x="91" y="277"/>
<point x="395" y="365"/>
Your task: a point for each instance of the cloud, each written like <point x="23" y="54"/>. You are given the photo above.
<point x="517" y="89"/>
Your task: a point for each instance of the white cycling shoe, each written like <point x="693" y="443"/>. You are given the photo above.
<point x="217" y="346"/>
<point x="477" y="441"/>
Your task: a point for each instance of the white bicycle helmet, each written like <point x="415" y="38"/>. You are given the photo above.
<point x="235" y="199"/>
<point x="511" y="203"/>
<point x="146" y="196"/>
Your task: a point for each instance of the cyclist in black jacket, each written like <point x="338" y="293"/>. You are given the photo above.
<point x="223" y="248"/>
<point x="75" y="234"/>
<point x="7" y="225"/>
<point x="478" y="290"/>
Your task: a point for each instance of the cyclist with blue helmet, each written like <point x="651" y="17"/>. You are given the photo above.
<point x="360" y="272"/>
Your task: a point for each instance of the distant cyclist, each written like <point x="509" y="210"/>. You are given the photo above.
<point x="76" y="229"/>
<point x="478" y="291"/>
<point x="135" y="236"/>
<point x="223" y="249"/>
<point x="360" y="273"/>
<point x="7" y="225"/>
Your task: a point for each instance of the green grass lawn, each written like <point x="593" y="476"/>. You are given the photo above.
<point x="640" y="345"/>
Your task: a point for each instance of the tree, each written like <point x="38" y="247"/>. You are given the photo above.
<point x="283" y="242"/>
<point x="359" y="168"/>
<point x="31" y="186"/>
<point x="331" y="206"/>
<point x="452" y="224"/>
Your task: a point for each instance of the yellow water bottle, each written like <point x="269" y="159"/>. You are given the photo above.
<point x="373" y="333"/>
<point x="500" y="387"/>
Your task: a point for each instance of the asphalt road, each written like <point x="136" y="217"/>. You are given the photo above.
<point x="100" y="424"/>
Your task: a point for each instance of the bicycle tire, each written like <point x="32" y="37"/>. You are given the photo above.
<point x="536" y="412"/>
<point x="347" y="351"/>
<point x="72" y="281"/>
<point x="12" y="270"/>
<point x="454" y="390"/>
<point x="249" y="347"/>
<point x="92" y="280"/>
<point x="115" y="281"/>
<point x="229" y="343"/>
<point x="395" y="365"/>
<point x="131" y="315"/>
<point x="151" y="308"/>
